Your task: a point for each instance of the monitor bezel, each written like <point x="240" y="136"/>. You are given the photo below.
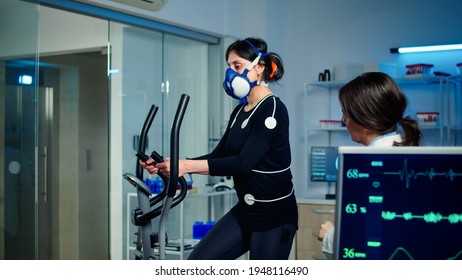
<point x="343" y="150"/>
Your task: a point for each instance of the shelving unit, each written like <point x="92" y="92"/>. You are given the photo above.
<point x="217" y="202"/>
<point x="181" y="218"/>
<point x="454" y="102"/>
<point x="432" y="94"/>
<point x="321" y="104"/>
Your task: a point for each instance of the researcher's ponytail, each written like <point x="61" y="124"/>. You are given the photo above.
<point x="412" y="134"/>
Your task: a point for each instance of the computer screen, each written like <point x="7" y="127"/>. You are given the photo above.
<point x="324" y="163"/>
<point x="399" y="203"/>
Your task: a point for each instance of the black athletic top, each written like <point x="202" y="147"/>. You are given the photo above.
<point x="258" y="157"/>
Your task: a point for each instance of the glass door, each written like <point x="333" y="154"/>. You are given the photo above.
<point x="19" y="169"/>
<point x="18" y="126"/>
<point x="29" y="189"/>
<point x="53" y="136"/>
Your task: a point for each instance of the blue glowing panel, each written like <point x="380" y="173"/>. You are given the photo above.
<point x="399" y="203"/>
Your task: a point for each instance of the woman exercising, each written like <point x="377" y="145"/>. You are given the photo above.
<point x="255" y="151"/>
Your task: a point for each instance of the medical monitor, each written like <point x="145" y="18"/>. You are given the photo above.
<point x="323" y="164"/>
<point x="399" y="203"/>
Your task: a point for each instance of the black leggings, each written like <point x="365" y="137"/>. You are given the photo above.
<point x="227" y="240"/>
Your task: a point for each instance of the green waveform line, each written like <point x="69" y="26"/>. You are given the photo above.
<point x="398" y="249"/>
<point x="430" y="217"/>
<point x="406" y="175"/>
<point x="456" y="256"/>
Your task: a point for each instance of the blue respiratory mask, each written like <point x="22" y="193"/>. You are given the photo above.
<point x="237" y="85"/>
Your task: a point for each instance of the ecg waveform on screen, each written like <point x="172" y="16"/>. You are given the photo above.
<point x="406" y="174"/>
<point x="430" y="217"/>
<point x="400" y="251"/>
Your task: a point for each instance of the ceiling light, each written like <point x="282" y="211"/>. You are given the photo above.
<point x="426" y="48"/>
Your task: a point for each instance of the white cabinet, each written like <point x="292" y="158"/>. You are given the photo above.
<point x="311" y="214"/>
<point x="426" y="94"/>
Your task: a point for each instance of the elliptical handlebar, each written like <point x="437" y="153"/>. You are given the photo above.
<point x="175" y="143"/>
<point x="174" y="166"/>
<point x="143" y="137"/>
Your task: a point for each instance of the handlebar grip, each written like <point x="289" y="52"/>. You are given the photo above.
<point x="143" y="157"/>
<point x="157" y="157"/>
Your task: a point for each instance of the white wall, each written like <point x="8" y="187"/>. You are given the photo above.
<point x="201" y="15"/>
<point x="73" y="36"/>
<point x="19" y="38"/>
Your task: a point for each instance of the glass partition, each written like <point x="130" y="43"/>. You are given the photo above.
<point x="53" y="136"/>
<point x="74" y="93"/>
<point x="150" y="68"/>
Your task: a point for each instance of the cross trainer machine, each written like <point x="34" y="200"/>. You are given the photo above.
<point x="149" y="244"/>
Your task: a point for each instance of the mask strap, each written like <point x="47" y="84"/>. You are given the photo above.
<point x="254" y="62"/>
<point x="257" y="59"/>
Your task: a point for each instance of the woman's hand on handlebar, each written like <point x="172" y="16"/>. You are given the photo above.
<point x="150" y="165"/>
<point x="164" y="167"/>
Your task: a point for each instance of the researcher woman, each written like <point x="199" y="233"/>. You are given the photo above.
<point x="373" y="109"/>
<point x="255" y="151"/>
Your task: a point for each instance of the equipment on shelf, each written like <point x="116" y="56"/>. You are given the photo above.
<point x="149" y="244"/>
<point x="225" y="184"/>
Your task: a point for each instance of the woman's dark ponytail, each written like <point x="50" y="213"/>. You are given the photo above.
<point x="412" y="134"/>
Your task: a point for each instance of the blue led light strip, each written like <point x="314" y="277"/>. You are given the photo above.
<point x="427" y="48"/>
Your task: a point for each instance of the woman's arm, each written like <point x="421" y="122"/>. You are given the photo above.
<point x="184" y="166"/>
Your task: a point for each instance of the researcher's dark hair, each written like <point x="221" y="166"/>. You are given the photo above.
<point x="274" y="68"/>
<point x="374" y="101"/>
